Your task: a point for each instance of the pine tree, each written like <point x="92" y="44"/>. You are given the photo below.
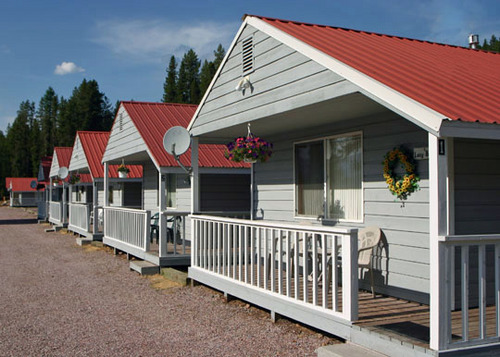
<point x="188" y="83"/>
<point x="493" y="45"/>
<point x="86" y="109"/>
<point x="35" y="147"/>
<point x="219" y="54"/>
<point x="4" y="163"/>
<point x="206" y="75"/>
<point x="18" y="138"/>
<point x="170" y="85"/>
<point x="47" y="116"/>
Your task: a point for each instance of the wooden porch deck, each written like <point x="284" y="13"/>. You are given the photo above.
<point x="399" y="319"/>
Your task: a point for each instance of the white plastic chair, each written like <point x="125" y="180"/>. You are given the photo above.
<point x="368" y="238"/>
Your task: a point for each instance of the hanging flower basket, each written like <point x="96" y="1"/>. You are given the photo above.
<point x="123" y="171"/>
<point x="249" y="149"/>
<point x="74" y="178"/>
<point x="400" y="186"/>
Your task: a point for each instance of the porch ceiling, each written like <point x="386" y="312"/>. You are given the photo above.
<point x="137" y="158"/>
<point x="330" y="111"/>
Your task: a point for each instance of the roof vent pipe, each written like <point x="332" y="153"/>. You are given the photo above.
<point x="473" y="41"/>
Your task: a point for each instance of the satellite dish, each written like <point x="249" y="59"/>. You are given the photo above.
<point x="33" y="184"/>
<point x="63" y="172"/>
<point x="176" y="140"/>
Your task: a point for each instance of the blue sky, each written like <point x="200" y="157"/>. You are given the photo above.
<point x="126" y="45"/>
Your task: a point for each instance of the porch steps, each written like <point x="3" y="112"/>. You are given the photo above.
<point x="144" y="268"/>
<point x="346" y="350"/>
<point x="175" y="275"/>
<point x="83" y="241"/>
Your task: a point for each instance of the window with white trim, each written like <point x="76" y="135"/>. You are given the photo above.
<point x="328" y="178"/>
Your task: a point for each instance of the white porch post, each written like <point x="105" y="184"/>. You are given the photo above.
<point x="95" y="204"/>
<point x="195" y="179"/>
<point x="50" y="189"/>
<point x="106" y="184"/>
<point x="64" y="203"/>
<point x="440" y="320"/>
<point x="162" y="222"/>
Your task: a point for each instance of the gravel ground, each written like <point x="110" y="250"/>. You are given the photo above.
<point x="59" y="299"/>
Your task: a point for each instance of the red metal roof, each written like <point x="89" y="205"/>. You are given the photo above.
<point x="45" y="164"/>
<point x="20" y="184"/>
<point x="460" y="83"/>
<point x="152" y="120"/>
<point x="94" y="144"/>
<point x="63" y="155"/>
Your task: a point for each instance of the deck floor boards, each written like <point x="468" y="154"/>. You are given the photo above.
<point x="404" y="320"/>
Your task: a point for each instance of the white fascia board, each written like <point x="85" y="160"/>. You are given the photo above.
<point x="214" y="79"/>
<point x="390" y="98"/>
<point x="462" y="129"/>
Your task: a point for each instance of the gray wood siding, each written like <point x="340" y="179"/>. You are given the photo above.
<point x="283" y="79"/>
<point x="78" y="159"/>
<point x="124" y="140"/>
<point x="224" y="192"/>
<point x="150" y="187"/>
<point x="477" y="177"/>
<point x="405" y="228"/>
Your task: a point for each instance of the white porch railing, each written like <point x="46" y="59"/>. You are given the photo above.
<point x="472" y="287"/>
<point x="128" y="226"/>
<point x="288" y="260"/>
<point x="55" y="212"/>
<point x="79" y="218"/>
<point x="176" y="239"/>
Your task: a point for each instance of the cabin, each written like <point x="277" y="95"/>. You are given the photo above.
<point x="370" y="133"/>
<point x="58" y="187"/>
<point x="23" y="191"/>
<point x="159" y="230"/>
<point x="86" y="179"/>
<point x="43" y="183"/>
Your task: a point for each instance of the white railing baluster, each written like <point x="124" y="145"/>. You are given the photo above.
<point x="288" y="267"/>
<point x="279" y="239"/>
<point x="334" y="273"/>
<point x="305" y="268"/>
<point x="315" y="269"/>
<point x="252" y="255"/>
<point x="465" y="292"/>
<point x="497" y="288"/>
<point x="325" y="270"/>
<point x="296" y="281"/>
<point x="240" y="253"/>
<point x="482" y="290"/>
<point x="259" y="256"/>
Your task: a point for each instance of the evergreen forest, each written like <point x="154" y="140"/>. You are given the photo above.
<point x="54" y="120"/>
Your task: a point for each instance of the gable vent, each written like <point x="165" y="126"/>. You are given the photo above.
<point x="247" y="52"/>
<point x="120" y="118"/>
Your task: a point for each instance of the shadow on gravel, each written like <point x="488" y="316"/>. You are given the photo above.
<point x="6" y="222"/>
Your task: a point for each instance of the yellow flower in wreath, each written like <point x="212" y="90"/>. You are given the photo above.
<point x="400" y="186"/>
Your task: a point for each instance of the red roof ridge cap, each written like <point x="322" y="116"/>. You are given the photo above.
<point x="158" y="103"/>
<point x="92" y="132"/>
<point x="365" y="32"/>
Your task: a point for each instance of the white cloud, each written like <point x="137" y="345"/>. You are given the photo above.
<point x="157" y="40"/>
<point x="67" y="68"/>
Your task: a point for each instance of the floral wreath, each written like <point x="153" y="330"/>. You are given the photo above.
<point x="400" y="186"/>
